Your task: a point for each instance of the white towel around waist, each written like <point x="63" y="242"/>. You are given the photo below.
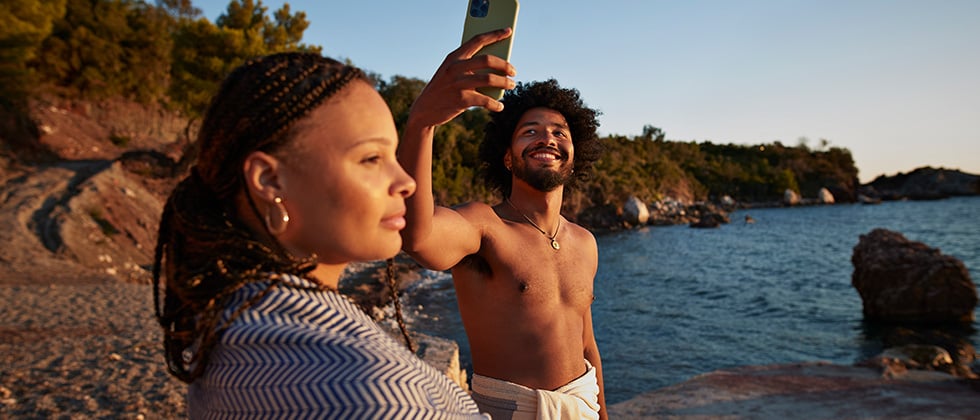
<point x="579" y="399"/>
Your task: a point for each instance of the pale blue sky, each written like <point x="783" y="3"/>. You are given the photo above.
<point x="896" y="82"/>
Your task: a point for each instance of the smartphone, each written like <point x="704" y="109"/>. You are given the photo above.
<point x="489" y="15"/>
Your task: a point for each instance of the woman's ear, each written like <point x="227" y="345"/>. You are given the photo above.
<point x="263" y="176"/>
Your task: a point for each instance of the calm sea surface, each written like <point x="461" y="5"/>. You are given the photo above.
<point x="674" y="302"/>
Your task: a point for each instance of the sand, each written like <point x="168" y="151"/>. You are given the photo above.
<point x="84" y="351"/>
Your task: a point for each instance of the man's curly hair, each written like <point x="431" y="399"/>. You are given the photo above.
<point x="582" y="122"/>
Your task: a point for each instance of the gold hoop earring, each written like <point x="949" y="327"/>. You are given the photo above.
<point x="281" y="222"/>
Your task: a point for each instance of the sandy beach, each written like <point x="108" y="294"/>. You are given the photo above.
<point x="90" y="350"/>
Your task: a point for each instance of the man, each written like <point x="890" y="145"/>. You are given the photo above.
<point x="523" y="273"/>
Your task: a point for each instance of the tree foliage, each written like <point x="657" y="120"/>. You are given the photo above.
<point x="24" y="24"/>
<point x="162" y="51"/>
<point x="103" y="48"/>
<point x="167" y="52"/>
<point x="646" y="166"/>
<point x="204" y="53"/>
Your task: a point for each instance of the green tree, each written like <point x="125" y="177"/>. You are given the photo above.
<point x="146" y="53"/>
<point x="286" y="32"/>
<point x="23" y="26"/>
<point x="204" y="53"/>
<point x="400" y="92"/>
<point x="104" y="48"/>
<point x="179" y="9"/>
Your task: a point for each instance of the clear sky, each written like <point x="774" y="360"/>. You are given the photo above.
<point x="897" y="82"/>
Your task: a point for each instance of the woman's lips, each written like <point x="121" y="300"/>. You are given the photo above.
<point x="394" y="222"/>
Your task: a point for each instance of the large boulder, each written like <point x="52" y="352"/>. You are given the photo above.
<point x="825" y="197"/>
<point x="790" y="197"/>
<point x="906" y="281"/>
<point x="635" y="211"/>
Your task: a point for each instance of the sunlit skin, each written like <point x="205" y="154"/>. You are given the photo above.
<point x="526" y="306"/>
<point x="340" y="182"/>
<point x="529" y="318"/>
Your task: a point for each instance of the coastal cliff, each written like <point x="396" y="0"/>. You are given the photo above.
<point x="926" y="183"/>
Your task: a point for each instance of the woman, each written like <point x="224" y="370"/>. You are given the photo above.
<point x="296" y="176"/>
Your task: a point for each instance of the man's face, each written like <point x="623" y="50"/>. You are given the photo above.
<point x="541" y="151"/>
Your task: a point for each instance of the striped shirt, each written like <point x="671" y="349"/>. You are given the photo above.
<point x="312" y="354"/>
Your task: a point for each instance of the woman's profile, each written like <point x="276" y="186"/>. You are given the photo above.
<point x="296" y="176"/>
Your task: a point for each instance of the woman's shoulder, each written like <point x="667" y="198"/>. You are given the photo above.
<point x="316" y="343"/>
<point x="289" y="308"/>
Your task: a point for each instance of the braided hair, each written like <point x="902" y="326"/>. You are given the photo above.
<point x="582" y="122"/>
<point x="204" y="252"/>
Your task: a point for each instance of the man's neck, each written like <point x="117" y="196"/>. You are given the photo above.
<point x="540" y="206"/>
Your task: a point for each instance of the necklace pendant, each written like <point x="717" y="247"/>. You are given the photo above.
<point x="554" y="244"/>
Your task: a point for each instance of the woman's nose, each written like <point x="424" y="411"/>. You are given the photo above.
<point x="404" y="184"/>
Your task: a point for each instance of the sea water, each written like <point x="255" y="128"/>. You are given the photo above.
<point x="674" y="302"/>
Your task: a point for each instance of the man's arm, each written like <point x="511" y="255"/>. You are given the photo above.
<point x="438" y="237"/>
<point x="592" y="355"/>
<point x="589" y="345"/>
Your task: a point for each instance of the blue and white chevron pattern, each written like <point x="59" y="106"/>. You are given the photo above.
<point x="310" y="354"/>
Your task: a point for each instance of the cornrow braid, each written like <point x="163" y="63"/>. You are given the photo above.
<point x="204" y="252"/>
<point x="258" y="103"/>
<point x="399" y="317"/>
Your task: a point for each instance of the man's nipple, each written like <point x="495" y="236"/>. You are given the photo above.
<point x="523" y="286"/>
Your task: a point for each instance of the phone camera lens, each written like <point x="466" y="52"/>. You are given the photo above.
<point x="479" y="8"/>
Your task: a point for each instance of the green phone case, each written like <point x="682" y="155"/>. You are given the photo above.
<point x="501" y="14"/>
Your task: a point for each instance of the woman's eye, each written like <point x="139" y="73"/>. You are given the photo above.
<point x="373" y="159"/>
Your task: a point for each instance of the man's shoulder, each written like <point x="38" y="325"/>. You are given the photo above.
<point x="475" y="210"/>
<point x="580" y="230"/>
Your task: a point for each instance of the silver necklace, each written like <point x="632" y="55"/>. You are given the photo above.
<point x="554" y="243"/>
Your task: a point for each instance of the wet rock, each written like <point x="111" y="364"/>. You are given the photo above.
<point x="906" y="281"/>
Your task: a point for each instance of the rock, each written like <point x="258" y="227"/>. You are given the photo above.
<point x="825" y="197"/>
<point x="110" y="223"/>
<point x="600" y="217"/>
<point x="103" y="130"/>
<point x="443" y="355"/>
<point x="790" y="197"/>
<point x="709" y="220"/>
<point x="669" y="211"/>
<point x="815" y="390"/>
<point x="918" y="355"/>
<point x="728" y="203"/>
<point x="635" y="211"/>
<point x="905" y="281"/>
<point x="864" y="199"/>
<point x="954" y="340"/>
